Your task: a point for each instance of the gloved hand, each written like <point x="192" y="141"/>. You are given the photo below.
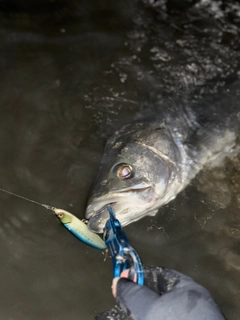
<point x="166" y="295"/>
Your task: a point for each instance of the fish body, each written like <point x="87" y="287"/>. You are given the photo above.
<point x="147" y="163"/>
<point x="79" y="229"/>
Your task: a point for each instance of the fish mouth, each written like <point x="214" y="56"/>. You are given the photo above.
<point x="123" y="205"/>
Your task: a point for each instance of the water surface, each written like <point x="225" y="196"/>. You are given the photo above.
<point x="71" y="74"/>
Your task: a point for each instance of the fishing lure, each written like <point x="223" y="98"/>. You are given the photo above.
<point x="76" y="226"/>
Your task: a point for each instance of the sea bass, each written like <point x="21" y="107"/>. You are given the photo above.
<point x="147" y="163"/>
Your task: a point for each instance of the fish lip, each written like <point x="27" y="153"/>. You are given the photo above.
<point x="97" y="212"/>
<point x="114" y="195"/>
<point x="132" y="189"/>
<point x="97" y="222"/>
<point x="93" y="212"/>
<point x="102" y="209"/>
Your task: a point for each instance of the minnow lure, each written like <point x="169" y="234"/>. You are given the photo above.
<point x="76" y="226"/>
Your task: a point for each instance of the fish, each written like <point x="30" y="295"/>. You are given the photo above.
<point x="149" y="161"/>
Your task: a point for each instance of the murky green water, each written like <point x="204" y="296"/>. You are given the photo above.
<point x="71" y="73"/>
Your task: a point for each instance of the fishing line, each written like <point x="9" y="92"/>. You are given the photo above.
<point x="21" y="197"/>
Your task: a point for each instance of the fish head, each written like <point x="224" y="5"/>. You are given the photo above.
<point x="132" y="177"/>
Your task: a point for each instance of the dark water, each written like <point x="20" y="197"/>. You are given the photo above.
<point x="71" y="73"/>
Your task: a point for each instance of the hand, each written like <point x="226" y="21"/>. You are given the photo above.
<point x="166" y="295"/>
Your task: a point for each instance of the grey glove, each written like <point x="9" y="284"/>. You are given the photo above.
<point x="166" y="295"/>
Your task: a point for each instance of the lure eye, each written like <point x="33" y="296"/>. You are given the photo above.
<point x="123" y="171"/>
<point x="60" y="215"/>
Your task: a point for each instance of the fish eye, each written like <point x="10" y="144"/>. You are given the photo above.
<point x="123" y="171"/>
<point x="60" y="215"/>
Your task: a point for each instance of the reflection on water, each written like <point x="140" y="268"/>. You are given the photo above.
<point x="70" y="75"/>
